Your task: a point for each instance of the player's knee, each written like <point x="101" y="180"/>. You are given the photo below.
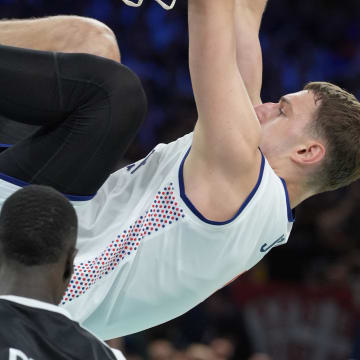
<point x="127" y="101"/>
<point x="128" y="97"/>
<point x="115" y="86"/>
<point x="91" y="36"/>
<point x="101" y="39"/>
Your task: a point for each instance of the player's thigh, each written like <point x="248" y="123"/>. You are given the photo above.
<point x="77" y="155"/>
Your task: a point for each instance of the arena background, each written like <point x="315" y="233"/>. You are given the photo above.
<point x="302" y="300"/>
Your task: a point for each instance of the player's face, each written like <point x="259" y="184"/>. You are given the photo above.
<point x="284" y="123"/>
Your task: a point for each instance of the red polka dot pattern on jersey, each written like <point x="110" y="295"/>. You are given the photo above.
<point x="164" y="211"/>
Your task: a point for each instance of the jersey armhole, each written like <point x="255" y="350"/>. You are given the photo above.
<point x="196" y="212"/>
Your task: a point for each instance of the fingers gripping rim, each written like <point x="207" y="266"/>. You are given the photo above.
<point x="160" y="2"/>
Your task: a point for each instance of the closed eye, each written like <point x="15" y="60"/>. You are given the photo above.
<point x="284" y="102"/>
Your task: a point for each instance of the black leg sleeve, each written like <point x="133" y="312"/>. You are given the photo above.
<point x="90" y="109"/>
<point x="29" y="86"/>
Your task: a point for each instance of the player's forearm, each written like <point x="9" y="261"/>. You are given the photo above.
<point x="212" y="46"/>
<point x="248" y="15"/>
<point x="61" y="33"/>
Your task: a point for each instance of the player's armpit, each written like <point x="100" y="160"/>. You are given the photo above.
<point x="217" y="191"/>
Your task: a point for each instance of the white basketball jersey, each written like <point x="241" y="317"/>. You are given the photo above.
<point x="146" y="255"/>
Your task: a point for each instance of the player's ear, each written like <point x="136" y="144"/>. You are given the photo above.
<point x="308" y="154"/>
<point x="69" y="265"/>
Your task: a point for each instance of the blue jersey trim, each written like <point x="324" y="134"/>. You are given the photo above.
<point x="197" y="212"/>
<point x="290" y="213"/>
<point x="21" y="183"/>
<point x="5" y="145"/>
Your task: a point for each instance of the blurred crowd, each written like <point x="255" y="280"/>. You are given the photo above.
<point x="303" y="41"/>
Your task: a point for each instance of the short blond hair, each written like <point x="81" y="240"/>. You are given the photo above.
<point x="337" y="122"/>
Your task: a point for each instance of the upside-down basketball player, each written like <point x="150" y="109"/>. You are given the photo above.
<point x="161" y="235"/>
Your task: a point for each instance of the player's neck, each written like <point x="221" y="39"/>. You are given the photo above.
<point x="29" y="284"/>
<point x="295" y="179"/>
<point x="297" y="193"/>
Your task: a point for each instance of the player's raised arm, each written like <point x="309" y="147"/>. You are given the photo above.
<point x="248" y="15"/>
<point x="228" y="132"/>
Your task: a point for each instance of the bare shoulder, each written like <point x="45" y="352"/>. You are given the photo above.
<point x="215" y="192"/>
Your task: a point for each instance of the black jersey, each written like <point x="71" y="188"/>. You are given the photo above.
<point x="34" y="330"/>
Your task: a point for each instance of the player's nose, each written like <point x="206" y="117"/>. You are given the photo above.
<point x="266" y="111"/>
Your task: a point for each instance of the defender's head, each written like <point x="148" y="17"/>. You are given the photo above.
<point x="38" y="231"/>
<point x="317" y="131"/>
